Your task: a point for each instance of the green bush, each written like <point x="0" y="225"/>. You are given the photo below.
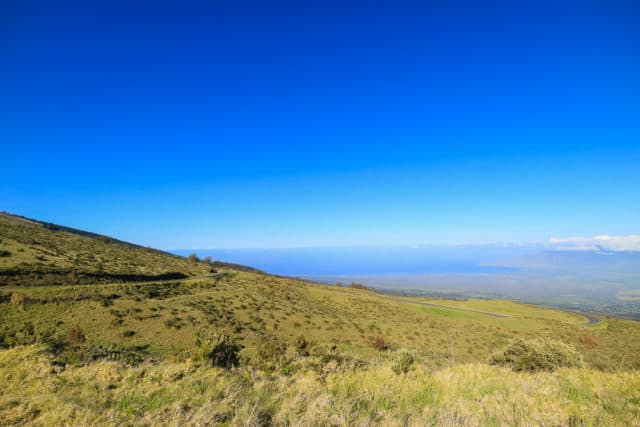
<point x="218" y="349"/>
<point x="537" y="355"/>
<point x="404" y="361"/>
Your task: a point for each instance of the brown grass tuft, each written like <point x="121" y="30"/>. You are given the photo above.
<point x="76" y="336"/>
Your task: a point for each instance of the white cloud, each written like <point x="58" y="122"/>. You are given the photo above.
<point x="595" y="243"/>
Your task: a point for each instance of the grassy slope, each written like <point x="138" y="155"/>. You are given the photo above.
<point x="36" y="253"/>
<point x="343" y="379"/>
<point x="269" y="311"/>
<point x="184" y="393"/>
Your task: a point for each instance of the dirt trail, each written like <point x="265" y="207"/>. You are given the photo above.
<point x="591" y="319"/>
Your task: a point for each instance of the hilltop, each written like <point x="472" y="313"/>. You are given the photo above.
<point x="245" y="347"/>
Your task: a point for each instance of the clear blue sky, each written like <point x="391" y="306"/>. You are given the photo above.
<point x="237" y="124"/>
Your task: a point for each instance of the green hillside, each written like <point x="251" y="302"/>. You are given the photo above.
<point x="38" y="253"/>
<point x="241" y="347"/>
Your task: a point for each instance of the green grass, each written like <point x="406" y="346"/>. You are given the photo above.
<point x="511" y="308"/>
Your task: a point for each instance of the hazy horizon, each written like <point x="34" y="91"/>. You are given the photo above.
<point x="585" y="278"/>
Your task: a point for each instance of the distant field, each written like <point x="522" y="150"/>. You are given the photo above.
<point x="510" y="308"/>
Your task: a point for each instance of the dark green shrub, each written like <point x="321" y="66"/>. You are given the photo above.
<point x="302" y="345"/>
<point x="218" y="349"/>
<point x="175" y="322"/>
<point x="4" y="253"/>
<point x="537" y="355"/>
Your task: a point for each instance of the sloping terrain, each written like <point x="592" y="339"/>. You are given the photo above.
<point x="37" y="253"/>
<point x="268" y="314"/>
<point x="310" y="393"/>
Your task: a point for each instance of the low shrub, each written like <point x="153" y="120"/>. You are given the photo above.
<point x="302" y="345"/>
<point x="404" y="361"/>
<point x="220" y="350"/>
<point x="537" y="355"/>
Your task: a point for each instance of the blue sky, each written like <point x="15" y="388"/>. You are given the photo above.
<point x="240" y="124"/>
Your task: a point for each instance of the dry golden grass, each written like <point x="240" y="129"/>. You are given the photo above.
<point x="188" y="393"/>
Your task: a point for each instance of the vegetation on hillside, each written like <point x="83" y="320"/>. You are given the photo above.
<point x="268" y="314"/>
<point x="244" y="347"/>
<point x="315" y="391"/>
<point x="38" y="253"/>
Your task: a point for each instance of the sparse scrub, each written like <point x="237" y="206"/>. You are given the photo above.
<point x="107" y="393"/>
<point x="174" y="322"/>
